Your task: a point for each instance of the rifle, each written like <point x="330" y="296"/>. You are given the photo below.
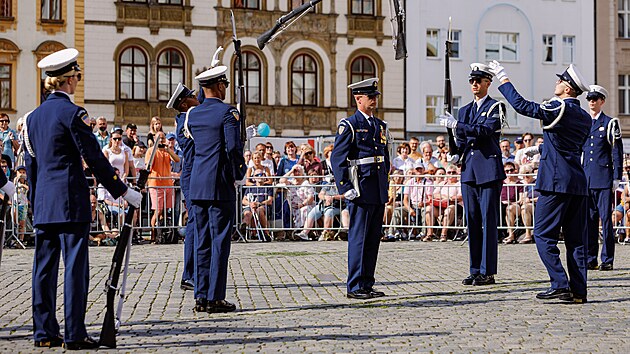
<point x="108" y="332"/>
<point x="240" y="88"/>
<point x="283" y="23"/>
<point x="448" y="90"/>
<point x="3" y="222"/>
<point x="398" y="29"/>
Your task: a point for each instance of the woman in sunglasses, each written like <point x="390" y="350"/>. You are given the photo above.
<point x="116" y="155"/>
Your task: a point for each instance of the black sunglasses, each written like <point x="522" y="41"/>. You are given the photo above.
<point x="474" y="80"/>
<point x="4" y="121"/>
<point x="509" y="170"/>
<point x="117" y="139"/>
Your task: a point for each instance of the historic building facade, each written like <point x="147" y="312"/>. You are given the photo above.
<point x="134" y="52"/>
<point x="533" y="39"/>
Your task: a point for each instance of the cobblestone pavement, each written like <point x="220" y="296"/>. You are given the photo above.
<point x="290" y="297"/>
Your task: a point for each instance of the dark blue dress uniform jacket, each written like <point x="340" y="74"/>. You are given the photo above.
<point x="214" y="168"/>
<point x="602" y="162"/>
<point x="188" y="152"/>
<point x="59" y="190"/>
<point x="477" y="134"/>
<point x="356" y="142"/>
<point x="560" y="168"/>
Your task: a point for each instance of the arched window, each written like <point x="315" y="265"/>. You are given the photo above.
<point x="133" y="74"/>
<point x="304" y="81"/>
<point x="362" y="68"/>
<point x="251" y="76"/>
<point x="170" y="72"/>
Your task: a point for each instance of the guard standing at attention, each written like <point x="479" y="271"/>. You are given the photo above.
<point x="57" y="139"/>
<point x="360" y="163"/>
<point x="561" y="180"/>
<point x="183" y="99"/>
<point x="218" y="164"/>
<point x="478" y="129"/>
<point x="603" y="165"/>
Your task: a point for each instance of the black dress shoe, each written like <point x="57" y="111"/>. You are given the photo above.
<point x="483" y="280"/>
<point x="187" y="285"/>
<point x="49" y="342"/>
<point x="87" y="343"/>
<point x="220" y="306"/>
<point x="606" y="266"/>
<point x="201" y="305"/>
<point x="469" y="280"/>
<point x="552" y="293"/>
<point x="575" y="298"/>
<point x="360" y="294"/>
<point x="376" y="293"/>
<point x="592" y="266"/>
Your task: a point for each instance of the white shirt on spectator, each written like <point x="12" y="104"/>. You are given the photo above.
<point x="117" y="160"/>
<point x="404" y="165"/>
<point x="266" y="163"/>
<point x="418" y="191"/>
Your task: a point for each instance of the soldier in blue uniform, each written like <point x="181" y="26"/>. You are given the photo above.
<point x="218" y="163"/>
<point x="57" y="139"/>
<point x="182" y="100"/>
<point x="360" y="163"/>
<point x="477" y="132"/>
<point x="602" y="162"/>
<point x="561" y="180"/>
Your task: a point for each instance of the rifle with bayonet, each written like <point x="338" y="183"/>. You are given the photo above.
<point x="285" y="21"/>
<point x="241" y="99"/>
<point x="448" y="90"/>
<point x="398" y="29"/>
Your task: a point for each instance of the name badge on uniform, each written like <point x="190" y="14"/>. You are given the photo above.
<point x="362" y="130"/>
<point x="601" y="129"/>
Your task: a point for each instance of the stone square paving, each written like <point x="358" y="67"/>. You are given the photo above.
<point x="290" y="297"/>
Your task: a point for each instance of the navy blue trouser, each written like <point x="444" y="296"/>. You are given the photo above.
<point x="553" y="211"/>
<point x="213" y="222"/>
<point x="600" y="207"/>
<point x="189" y="242"/>
<point x="70" y="240"/>
<point x="364" y="236"/>
<point x="481" y="205"/>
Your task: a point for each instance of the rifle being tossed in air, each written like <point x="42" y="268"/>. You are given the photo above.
<point x="398" y="29"/>
<point x="284" y="22"/>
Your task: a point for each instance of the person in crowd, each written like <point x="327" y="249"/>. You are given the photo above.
<point x="603" y="166"/>
<point x="57" y="140"/>
<point x="176" y="166"/>
<point x="116" y="155"/>
<point x="403" y="161"/>
<point x="413" y="145"/>
<point x="328" y="207"/>
<point x="506" y="154"/>
<point x="478" y="128"/>
<point x="9" y="137"/>
<point x="519" y="156"/>
<point x="269" y="157"/>
<point x="449" y="199"/>
<point x="510" y="195"/>
<point x="427" y="158"/>
<point x="326" y="167"/>
<point x="256" y="199"/>
<point x="433" y="206"/>
<point x="528" y="198"/>
<point x="247" y="155"/>
<point x="307" y="157"/>
<point x="116" y="206"/>
<point x="21" y="198"/>
<point x="518" y="145"/>
<point x="417" y="193"/>
<point x="92" y="123"/>
<point x="7" y="167"/>
<point x="102" y="135"/>
<point x="395" y="214"/>
<point x="160" y="182"/>
<point x="155" y="127"/>
<point x="289" y="160"/>
<point x="561" y="181"/>
<point x="277" y="157"/>
<point x="100" y="232"/>
<point x="361" y="143"/>
<point x="139" y="151"/>
<point x="296" y="196"/>
<point x="131" y="135"/>
<point x="440" y="147"/>
<point x="257" y="164"/>
<point x="268" y="163"/>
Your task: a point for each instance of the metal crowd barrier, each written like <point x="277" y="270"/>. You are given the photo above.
<point x="289" y="204"/>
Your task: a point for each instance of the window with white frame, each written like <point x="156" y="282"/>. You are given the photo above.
<point x="433" y="36"/>
<point x="549" y="42"/>
<point x="435" y="107"/>
<point x="568" y="49"/>
<point x="623" y="17"/>
<point x="51" y="10"/>
<point x="456" y="36"/>
<point x="624" y="94"/>
<point x="170" y="72"/>
<point x="5" y="86"/>
<point x="502" y="46"/>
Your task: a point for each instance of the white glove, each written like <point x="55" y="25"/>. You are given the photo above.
<point x="452" y="158"/>
<point x="531" y="151"/>
<point x="133" y="197"/>
<point x="615" y="184"/>
<point x="447" y="120"/>
<point x="498" y="70"/>
<point x="250" y="131"/>
<point x="9" y="190"/>
<point x="351" y="194"/>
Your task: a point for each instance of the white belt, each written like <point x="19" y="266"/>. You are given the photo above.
<point x="367" y="160"/>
